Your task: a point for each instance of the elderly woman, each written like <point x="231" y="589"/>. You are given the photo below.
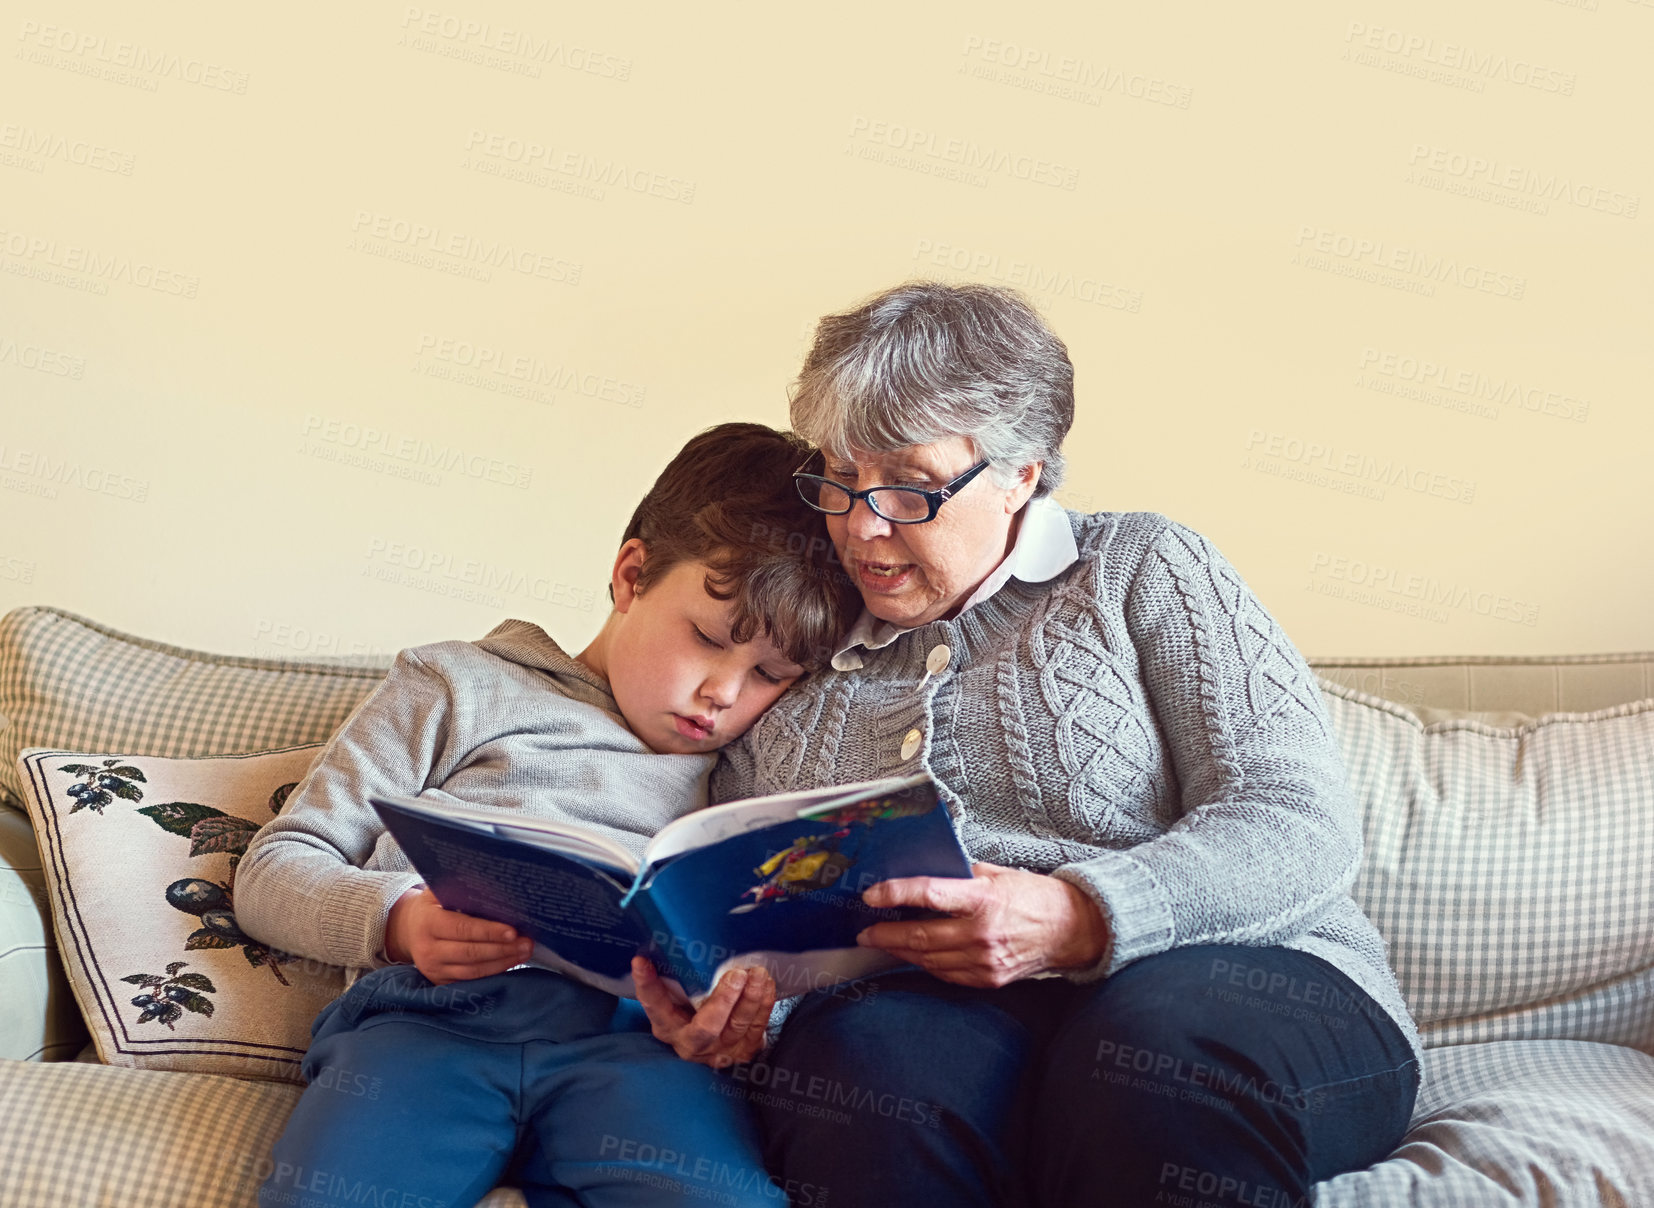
<point x="1156" y="988"/>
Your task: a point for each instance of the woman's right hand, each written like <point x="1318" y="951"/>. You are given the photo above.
<point x="448" y="946"/>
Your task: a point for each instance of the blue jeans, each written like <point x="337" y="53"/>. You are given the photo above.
<point x="426" y="1096"/>
<point x="1210" y="1074"/>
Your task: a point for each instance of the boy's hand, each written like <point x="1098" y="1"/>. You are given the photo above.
<point x="448" y="946"/>
<point x="729" y="1027"/>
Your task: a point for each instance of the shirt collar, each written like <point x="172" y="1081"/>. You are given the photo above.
<point x="1044" y="548"/>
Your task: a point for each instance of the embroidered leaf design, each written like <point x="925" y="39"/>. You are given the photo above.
<point x="143" y="979"/>
<point x="77" y="806"/>
<point x="195" y="981"/>
<point x="179" y="816"/>
<point x="127" y="770"/>
<point x="225" y="833"/>
<point x="128" y="792"/>
<point x="177" y="965"/>
<point x="202" y="938"/>
<point x="77" y="769"/>
<point x="280" y="796"/>
<point x="194" y="1002"/>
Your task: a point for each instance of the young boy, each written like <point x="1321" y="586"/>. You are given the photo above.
<point x="447" y="1065"/>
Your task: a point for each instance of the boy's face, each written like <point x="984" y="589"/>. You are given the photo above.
<point x="682" y="684"/>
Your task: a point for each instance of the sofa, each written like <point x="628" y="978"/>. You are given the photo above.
<point x="1507" y="806"/>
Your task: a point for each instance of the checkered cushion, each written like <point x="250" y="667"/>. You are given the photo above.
<point x="71" y="683"/>
<point x="1509" y="868"/>
<point x="1524" y="1122"/>
<point x="94" y="1136"/>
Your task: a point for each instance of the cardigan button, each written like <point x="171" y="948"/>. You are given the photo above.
<point x="910" y="744"/>
<point x="936" y="661"/>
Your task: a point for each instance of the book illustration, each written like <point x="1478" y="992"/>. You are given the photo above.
<point x="814" y="862"/>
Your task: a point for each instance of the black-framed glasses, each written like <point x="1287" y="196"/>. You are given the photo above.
<point x="899" y="505"/>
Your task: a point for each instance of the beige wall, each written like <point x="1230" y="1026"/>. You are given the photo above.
<point x="345" y="328"/>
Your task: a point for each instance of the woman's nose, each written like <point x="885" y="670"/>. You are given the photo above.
<point x="864" y="523"/>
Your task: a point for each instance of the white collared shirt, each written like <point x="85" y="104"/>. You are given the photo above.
<point x="1044" y="548"/>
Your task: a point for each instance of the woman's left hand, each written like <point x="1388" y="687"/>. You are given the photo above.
<point x="727" y="1030"/>
<point x="1007" y="923"/>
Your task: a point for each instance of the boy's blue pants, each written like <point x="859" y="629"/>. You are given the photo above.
<point x="426" y="1096"/>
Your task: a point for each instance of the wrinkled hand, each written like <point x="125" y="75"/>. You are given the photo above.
<point x="729" y="1027"/>
<point x="448" y="946"/>
<point x="1006" y="924"/>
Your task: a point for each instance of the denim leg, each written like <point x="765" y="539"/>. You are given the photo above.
<point x="905" y="1093"/>
<point x="1220" y="1073"/>
<point x="396" y="1108"/>
<point x="621" y="1121"/>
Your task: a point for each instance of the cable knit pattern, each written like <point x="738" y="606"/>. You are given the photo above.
<point x="1139" y="726"/>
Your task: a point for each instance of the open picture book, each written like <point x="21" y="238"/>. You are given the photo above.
<point x="773" y="881"/>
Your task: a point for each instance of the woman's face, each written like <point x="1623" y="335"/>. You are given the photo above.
<point x="912" y="574"/>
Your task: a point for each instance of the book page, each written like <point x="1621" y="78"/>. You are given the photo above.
<point x="719" y="822"/>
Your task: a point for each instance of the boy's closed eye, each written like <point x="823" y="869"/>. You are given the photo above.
<point x="768" y="676"/>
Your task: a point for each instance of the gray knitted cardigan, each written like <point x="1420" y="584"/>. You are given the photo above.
<point x="1139" y="726"/>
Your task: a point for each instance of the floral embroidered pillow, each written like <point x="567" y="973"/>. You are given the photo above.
<point x="140" y="854"/>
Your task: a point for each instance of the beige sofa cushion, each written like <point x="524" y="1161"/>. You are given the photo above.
<point x="1508" y="867"/>
<point x="70" y="683"/>
<point x="93" y="1136"/>
<point x="1519" y="1124"/>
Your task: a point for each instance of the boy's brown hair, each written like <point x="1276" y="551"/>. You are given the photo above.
<point x="728" y="500"/>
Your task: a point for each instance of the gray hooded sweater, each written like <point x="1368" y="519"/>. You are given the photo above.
<point x="509" y="722"/>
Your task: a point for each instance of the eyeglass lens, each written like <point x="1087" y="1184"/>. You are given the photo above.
<point x="893" y="503"/>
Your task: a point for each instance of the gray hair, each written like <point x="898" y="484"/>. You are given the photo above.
<point x="924" y="361"/>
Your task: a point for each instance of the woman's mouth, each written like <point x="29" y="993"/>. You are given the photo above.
<point x="697" y="728"/>
<point x="883" y="577"/>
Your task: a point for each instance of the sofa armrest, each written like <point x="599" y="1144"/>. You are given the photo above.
<point x="39" y="1020"/>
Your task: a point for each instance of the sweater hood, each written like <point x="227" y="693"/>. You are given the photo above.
<point x="526" y="644"/>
